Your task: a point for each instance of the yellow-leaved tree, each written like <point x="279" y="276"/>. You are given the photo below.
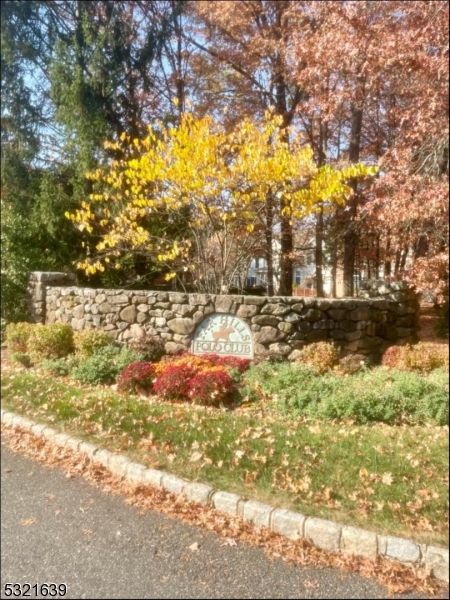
<point x="227" y="189"/>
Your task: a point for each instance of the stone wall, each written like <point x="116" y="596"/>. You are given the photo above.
<point x="38" y="282"/>
<point x="279" y="325"/>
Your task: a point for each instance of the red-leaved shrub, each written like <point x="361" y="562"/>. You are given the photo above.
<point x="172" y="381"/>
<point x="391" y="356"/>
<point x="136" y="376"/>
<point x="212" y="387"/>
<point x="231" y="362"/>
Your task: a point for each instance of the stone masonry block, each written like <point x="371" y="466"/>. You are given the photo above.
<point x="257" y="513"/>
<point x="118" y="464"/>
<point x="73" y="444"/>
<point x="288" y="523"/>
<point x="402" y="550"/>
<point x="49" y="434"/>
<point x="436" y="559"/>
<point x="323" y="534"/>
<point x="22" y="422"/>
<point x="173" y="484"/>
<point x="102" y="457"/>
<point x="88" y="449"/>
<point x="134" y="472"/>
<point x="7" y="418"/>
<point x="61" y="439"/>
<point x="226" y="502"/>
<point x="38" y="429"/>
<point x="198" y="492"/>
<point x="152" y="477"/>
<point x="358" y="541"/>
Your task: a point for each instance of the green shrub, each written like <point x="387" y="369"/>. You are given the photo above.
<point x="278" y="380"/>
<point x="50" y="341"/>
<point x="105" y="365"/>
<point x="22" y="358"/>
<point x="87" y="342"/>
<point x="376" y="395"/>
<point x="17" y="336"/>
<point x="321" y="356"/>
<point x="60" y="366"/>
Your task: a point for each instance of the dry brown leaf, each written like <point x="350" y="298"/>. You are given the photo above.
<point x="229" y="542"/>
<point x="196" y="456"/>
<point x="387" y="478"/>
<point x="310" y="584"/>
<point x="194" y="547"/>
<point x="28" y="522"/>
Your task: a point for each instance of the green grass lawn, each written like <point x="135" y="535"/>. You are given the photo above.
<point x="390" y="479"/>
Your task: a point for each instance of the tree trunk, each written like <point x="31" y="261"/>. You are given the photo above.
<point x="387" y="262"/>
<point x="350" y="236"/>
<point x="319" y="221"/>
<point x="269" y="245"/>
<point x="286" y="237"/>
<point x="319" y="254"/>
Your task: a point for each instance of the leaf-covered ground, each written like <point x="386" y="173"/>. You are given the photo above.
<point x="396" y="577"/>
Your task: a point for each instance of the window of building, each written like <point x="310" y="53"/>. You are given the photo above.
<point x="297" y="276"/>
<point x="250" y="281"/>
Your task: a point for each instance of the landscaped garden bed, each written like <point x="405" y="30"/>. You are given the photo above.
<point x="324" y="437"/>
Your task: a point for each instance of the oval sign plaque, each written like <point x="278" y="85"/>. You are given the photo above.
<point x="223" y="334"/>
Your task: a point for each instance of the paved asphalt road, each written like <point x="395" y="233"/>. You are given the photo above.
<point x="101" y="547"/>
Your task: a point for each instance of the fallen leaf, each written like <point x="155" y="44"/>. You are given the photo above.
<point x="387" y="478"/>
<point x="87" y="531"/>
<point x="194" y="547"/>
<point x="229" y="542"/>
<point x="196" y="456"/>
<point x="310" y="584"/>
<point x="7" y="470"/>
<point x="28" y="522"/>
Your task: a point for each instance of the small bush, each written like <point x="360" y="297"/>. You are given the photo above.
<point x="150" y="347"/>
<point x="231" y="362"/>
<point x="22" y="358"/>
<point x="211" y="387"/>
<point x="136" y="376"/>
<point x="60" y="366"/>
<point x="50" y="341"/>
<point x="89" y="341"/>
<point x="17" y="336"/>
<point x="352" y="364"/>
<point x="105" y="365"/>
<point x="422" y="357"/>
<point x="172" y="382"/>
<point x="321" y="356"/>
<point x="391" y="356"/>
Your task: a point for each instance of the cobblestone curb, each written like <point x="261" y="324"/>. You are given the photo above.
<point x="324" y="534"/>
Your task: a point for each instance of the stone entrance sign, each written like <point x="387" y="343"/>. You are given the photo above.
<point x="223" y="334"/>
